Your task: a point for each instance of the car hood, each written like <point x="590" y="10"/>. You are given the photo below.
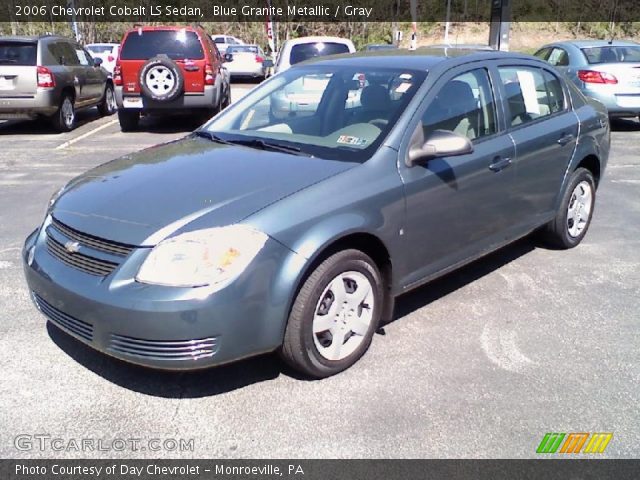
<point x="141" y="198"/>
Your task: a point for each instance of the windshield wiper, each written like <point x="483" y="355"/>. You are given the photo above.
<point x="272" y="146"/>
<point x="211" y="136"/>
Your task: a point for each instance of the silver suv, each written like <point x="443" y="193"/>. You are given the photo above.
<point x="51" y="76"/>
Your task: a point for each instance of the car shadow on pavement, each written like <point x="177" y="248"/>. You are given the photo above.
<point x="625" y="125"/>
<point x="169" y="124"/>
<point x="170" y="384"/>
<point x="436" y="289"/>
<point x="226" y="378"/>
<point x="42" y="126"/>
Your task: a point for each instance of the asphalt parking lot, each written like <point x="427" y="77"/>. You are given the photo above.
<point x="481" y="363"/>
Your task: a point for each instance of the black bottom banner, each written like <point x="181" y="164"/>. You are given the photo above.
<point x="568" y="469"/>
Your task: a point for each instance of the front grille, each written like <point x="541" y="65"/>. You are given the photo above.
<point x="90" y="241"/>
<point x="164" y="350"/>
<point x="85" y="263"/>
<point x="61" y="319"/>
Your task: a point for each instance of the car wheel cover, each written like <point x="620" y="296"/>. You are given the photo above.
<point x="110" y="100"/>
<point x="68" y="114"/>
<point x="579" y="209"/>
<point x="160" y="80"/>
<point x="343" y="315"/>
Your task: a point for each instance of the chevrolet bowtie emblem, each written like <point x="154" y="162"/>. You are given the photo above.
<point x="72" y="247"/>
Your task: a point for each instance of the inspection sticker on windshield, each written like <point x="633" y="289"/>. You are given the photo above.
<point x="349" y="140"/>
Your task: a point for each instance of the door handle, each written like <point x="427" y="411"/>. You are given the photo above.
<point x="565" y="138"/>
<point x="499" y="164"/>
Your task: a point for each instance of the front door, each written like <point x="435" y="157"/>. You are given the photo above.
<point x="458" y="206"/>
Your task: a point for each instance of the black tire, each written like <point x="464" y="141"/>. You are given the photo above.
<point x="108" y="104"/>
<point x="556" y="233"/>
<point x="161" y="92"/>
<point x="226" y="100"/>
<point x="128" y="119"/>
<point x="61" y="120"/>
<point x="299" y="349"/>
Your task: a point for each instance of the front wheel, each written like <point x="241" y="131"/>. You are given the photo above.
<point x="334" y="316"/>
<point x="576" y="210"/>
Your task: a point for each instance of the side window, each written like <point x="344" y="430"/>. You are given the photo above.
<point x="555" y="92"/>
<point x="464" y="105"/>
<point x="57" y="52"/>
<point x="69" y="54"/>
<point x="543" y="54"/>
<point x="559" y="57"/>
<point x="529" y="93"/>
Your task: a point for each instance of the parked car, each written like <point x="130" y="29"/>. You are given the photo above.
<point x="225" y="41"/>
<point x="301" y="49"/>
<point x="606" y="71"/>
<point x="108" y="52"/>
<point x="51" y="77"/>
<point x="164" y="70"/>
<point x="244" y="61"/>
<point x="253" y="235"/>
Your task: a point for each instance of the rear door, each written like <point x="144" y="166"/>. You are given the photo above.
<point x="544" y="129"/>
<point x="18" y="77"/>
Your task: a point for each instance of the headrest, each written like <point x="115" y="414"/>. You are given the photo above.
<point x="375" y="97"/>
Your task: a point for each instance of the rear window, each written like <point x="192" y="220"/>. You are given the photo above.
<point x="305" y="51"/>
<point x="18" y="53"/>
<point x="612" y="54"/>
<point x="176" y="44"/>
<point x="100" y="48"/>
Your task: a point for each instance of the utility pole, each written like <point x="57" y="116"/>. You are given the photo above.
<point x="74" y="24"/>
<point x="447" y="22"/>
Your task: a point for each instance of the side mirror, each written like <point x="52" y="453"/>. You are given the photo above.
<point x="97" y="62"/>
<point x="441" y="143"/>
<point x="228" y="57"/>
<point x="268" y="63"/>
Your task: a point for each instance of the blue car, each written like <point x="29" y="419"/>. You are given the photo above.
<point x="259" y="233"/>
<point x="606" y="71"/>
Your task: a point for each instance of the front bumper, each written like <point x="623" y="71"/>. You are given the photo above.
<point x="43" y="102"/>
<point x="186" y="101"/>
<point x="164" y="327"/>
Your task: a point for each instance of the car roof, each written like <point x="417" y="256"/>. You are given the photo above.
<point x="174" y="28"/>
<point x="595" y="43"/>
<point x="32" y="38"/>
<point x="420" y="59"/>
<point x="316" y="39"/>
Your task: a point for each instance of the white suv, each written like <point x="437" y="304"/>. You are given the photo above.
<point x="301" y="49"/>
<point x="224" y="41"/>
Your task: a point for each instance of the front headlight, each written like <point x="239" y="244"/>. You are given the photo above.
<point x="215" y="256"/>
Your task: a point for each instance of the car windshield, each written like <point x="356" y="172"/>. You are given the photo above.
<point x="341" y="113"/>
<point x="17" y="53"/>
<point x="305" y="51"/>
<point x="243" y="49"/>
<point x="612" y="54"/>
<point x="100" y="48"/>
<point x="176" y="44"/>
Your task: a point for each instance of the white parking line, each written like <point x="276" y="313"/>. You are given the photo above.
<point x="85" y="135"/>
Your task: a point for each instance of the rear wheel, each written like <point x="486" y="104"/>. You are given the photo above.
<point x="128" y="119"/>
<point x="576" y="210"/>
<point x="334" y="316"/>
<point x="108" y="105"/>
<point x="64" y="120"/>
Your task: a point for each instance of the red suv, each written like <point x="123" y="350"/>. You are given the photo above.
<point x="161" y="70"/>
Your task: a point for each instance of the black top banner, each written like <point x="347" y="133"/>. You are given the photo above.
<point x="195" y="11"/>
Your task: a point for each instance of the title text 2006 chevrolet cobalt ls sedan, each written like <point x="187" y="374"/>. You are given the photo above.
<point x="263" y="232"/>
